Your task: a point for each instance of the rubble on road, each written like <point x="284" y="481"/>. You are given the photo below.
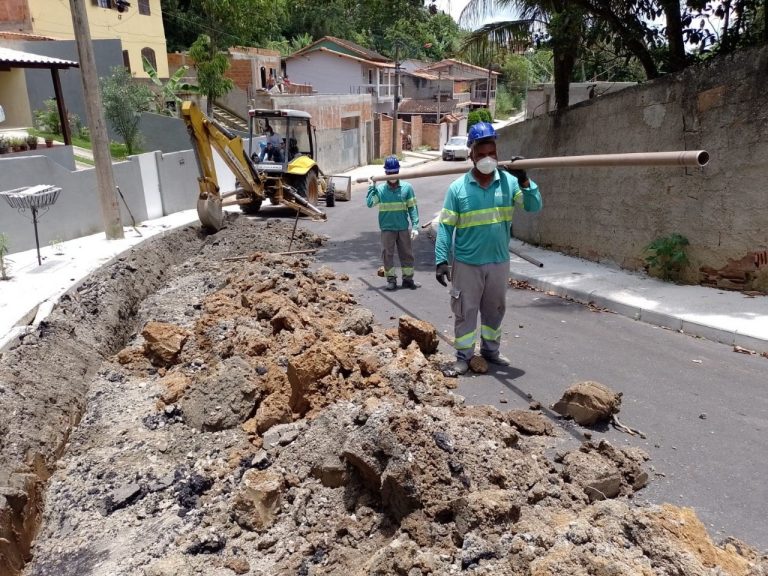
<point x="255" y="420"/>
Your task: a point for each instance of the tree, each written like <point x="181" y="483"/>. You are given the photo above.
<point x="211" y="66"/>
<point x="168" y="91"/>
<point x="124" y="101"/>
<point x="226" y="22"/>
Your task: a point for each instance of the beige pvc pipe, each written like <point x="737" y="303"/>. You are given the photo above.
<point x="695" y="158"/>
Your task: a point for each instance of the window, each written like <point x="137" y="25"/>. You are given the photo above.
<point x="149" y="54"/>
<point x="102" y="3"/>
<point x="144" y="7"/>
<point x="126" y="60"/>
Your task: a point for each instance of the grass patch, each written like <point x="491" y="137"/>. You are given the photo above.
<point x="84" y="160"/>
<point x="116" y="149"/>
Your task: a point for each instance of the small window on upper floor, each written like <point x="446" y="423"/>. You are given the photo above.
<point x="126" y="60"/>
<point x="102" y="3"/>
<point x="149" y="54"/>
<point x="144" y="7"/>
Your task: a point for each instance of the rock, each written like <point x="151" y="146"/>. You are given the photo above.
<point x="163" y="342"/>
<point x="175" y="385"/>
<point x="237" y="565"/>
<point x="484" y="508"/>
<point x="423" y="333"/>
<point x="223" y="397"/>
<point x="257" y="499"/>
<point x="588" y="403"/>
<point x="478" y="365"/>
<point x="331" y="472"/>
<point x="357" y="320"/>
<point x="530" y="423"/>
<point x="304" y="374"/>
<point x="122" y="497"/>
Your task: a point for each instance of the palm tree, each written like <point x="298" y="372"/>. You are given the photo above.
<point x="564" y="22"/>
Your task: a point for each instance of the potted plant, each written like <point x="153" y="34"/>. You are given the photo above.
<point x="16" y="144"/>
<point x="32" y="142"/>
<point x="49" y="142"/>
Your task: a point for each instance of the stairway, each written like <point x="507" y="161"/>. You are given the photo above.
<point x="229" y="119"/>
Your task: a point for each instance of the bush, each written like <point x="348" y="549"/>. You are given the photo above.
<point x="479" y="115"/>
<point x="667" y="256"/>
<point x="47" y="119"/>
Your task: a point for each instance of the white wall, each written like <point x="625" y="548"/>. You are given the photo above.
<point x="327" y="73"/>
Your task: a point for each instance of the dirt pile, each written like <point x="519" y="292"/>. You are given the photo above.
<point x="259" y="422"/>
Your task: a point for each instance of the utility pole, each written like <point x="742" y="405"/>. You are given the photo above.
<point x="439" y="133"/>
<point x="397" y="98"/>
<point x="105" y="180"/>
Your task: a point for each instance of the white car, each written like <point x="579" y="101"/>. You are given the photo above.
<point x="456" y="149"/>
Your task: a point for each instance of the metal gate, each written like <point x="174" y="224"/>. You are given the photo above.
<point x="350" y="141"/>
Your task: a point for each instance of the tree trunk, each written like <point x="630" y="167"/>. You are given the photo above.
<point x="674" y="33"/>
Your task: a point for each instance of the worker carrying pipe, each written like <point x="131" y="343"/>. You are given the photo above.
<point x="473" y="233"/>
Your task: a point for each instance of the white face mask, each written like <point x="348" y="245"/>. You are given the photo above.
<point x="486" y="165"/>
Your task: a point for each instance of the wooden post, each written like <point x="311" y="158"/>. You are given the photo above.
<point x="58" y="93"/>
<point x="105" y="180"/>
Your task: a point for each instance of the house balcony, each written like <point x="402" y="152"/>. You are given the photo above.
<point x="382" y="92"/>
<point x="480" y="95"/>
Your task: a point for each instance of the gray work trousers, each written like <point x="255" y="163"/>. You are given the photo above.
<point x="478" y="289"/>
<point x="399" y="240"/>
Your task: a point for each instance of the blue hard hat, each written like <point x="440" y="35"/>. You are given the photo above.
<point x="391" y="165"/>
<point x="480" y="131"/>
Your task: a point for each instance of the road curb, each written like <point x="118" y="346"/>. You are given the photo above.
<point x="653" y="317"/>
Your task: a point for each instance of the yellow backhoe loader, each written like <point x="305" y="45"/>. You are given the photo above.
<point x="282" y="170"/>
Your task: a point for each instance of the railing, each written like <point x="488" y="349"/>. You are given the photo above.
<point x="481" y="95"/>
<point x="380" y="91"/>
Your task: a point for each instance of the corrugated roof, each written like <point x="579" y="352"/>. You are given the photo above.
<point x="425" y="106"/>
<point x="349" y="57"/>
<point x="10" y="35"/>
<point x="363" y="53"/>
<point x="19" y="59"/>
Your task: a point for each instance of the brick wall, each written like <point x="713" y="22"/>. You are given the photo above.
<point x="13" y="14"/>
<point x="416" y="131"/>
<point x="240" y="73"/>
<point x="430" y="136"/>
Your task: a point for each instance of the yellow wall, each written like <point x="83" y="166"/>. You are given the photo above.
<point x="17" y="111"/>
<point x="136" y="31"/>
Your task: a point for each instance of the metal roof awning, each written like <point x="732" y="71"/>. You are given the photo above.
<point x="10" y="58"/>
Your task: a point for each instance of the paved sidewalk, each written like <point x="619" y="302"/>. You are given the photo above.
<point x="720" y="315"/>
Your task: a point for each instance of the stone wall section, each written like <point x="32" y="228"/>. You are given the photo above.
<point x="612" y="214"/>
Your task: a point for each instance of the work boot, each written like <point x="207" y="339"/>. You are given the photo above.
<point x="497" y="359"/>
<point x="391" y="284"/>
<point x="461" y="366"/>
<point x="409" y="283"/>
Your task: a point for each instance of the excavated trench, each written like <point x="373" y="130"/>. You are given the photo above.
<point x="186" y="411"/>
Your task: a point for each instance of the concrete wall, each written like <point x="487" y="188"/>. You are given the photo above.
<point x="611" y="214"/>
<point x="328" y="73"/>
<point x="17" y="111"/>
<point x="62" y="155"/>
<point x="76" y="211"/>
<point x="540" y="99"/>
<point x="163" y="133"/>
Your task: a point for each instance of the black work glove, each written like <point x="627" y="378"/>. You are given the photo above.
<point x="517" y="173"/>
<point x="443" y="273"/>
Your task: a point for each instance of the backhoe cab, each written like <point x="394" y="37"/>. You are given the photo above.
<point x="278" y="166"/>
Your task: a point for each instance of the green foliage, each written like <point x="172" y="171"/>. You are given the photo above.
<point x="47" y="119"/>
<point x="4" y="262"/>
<point x="666" y="256"/>
<point x="211" y="66"/>
<point x="479" y="115"/>
<point x="505" y="103"/>
<point x="167" y="99"/>
<point x="124" y="100"/>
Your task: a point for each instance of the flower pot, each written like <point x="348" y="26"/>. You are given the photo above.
<point x="48" y="143"/>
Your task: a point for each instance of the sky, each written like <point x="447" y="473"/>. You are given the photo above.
<point x="454" y="8"/>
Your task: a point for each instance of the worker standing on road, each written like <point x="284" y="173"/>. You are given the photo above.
<point x="473" y="233"/>
<point x="397" y="204"/>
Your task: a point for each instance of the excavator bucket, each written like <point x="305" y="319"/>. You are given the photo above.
<point x="210" y="212"/>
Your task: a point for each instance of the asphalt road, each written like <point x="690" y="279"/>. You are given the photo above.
<point x="703" y="408"/>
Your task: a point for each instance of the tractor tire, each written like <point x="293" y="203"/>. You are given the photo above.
<point x="252" y="208"/>
<point x="308" y="187"/>
<point x="330" y="195"/>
